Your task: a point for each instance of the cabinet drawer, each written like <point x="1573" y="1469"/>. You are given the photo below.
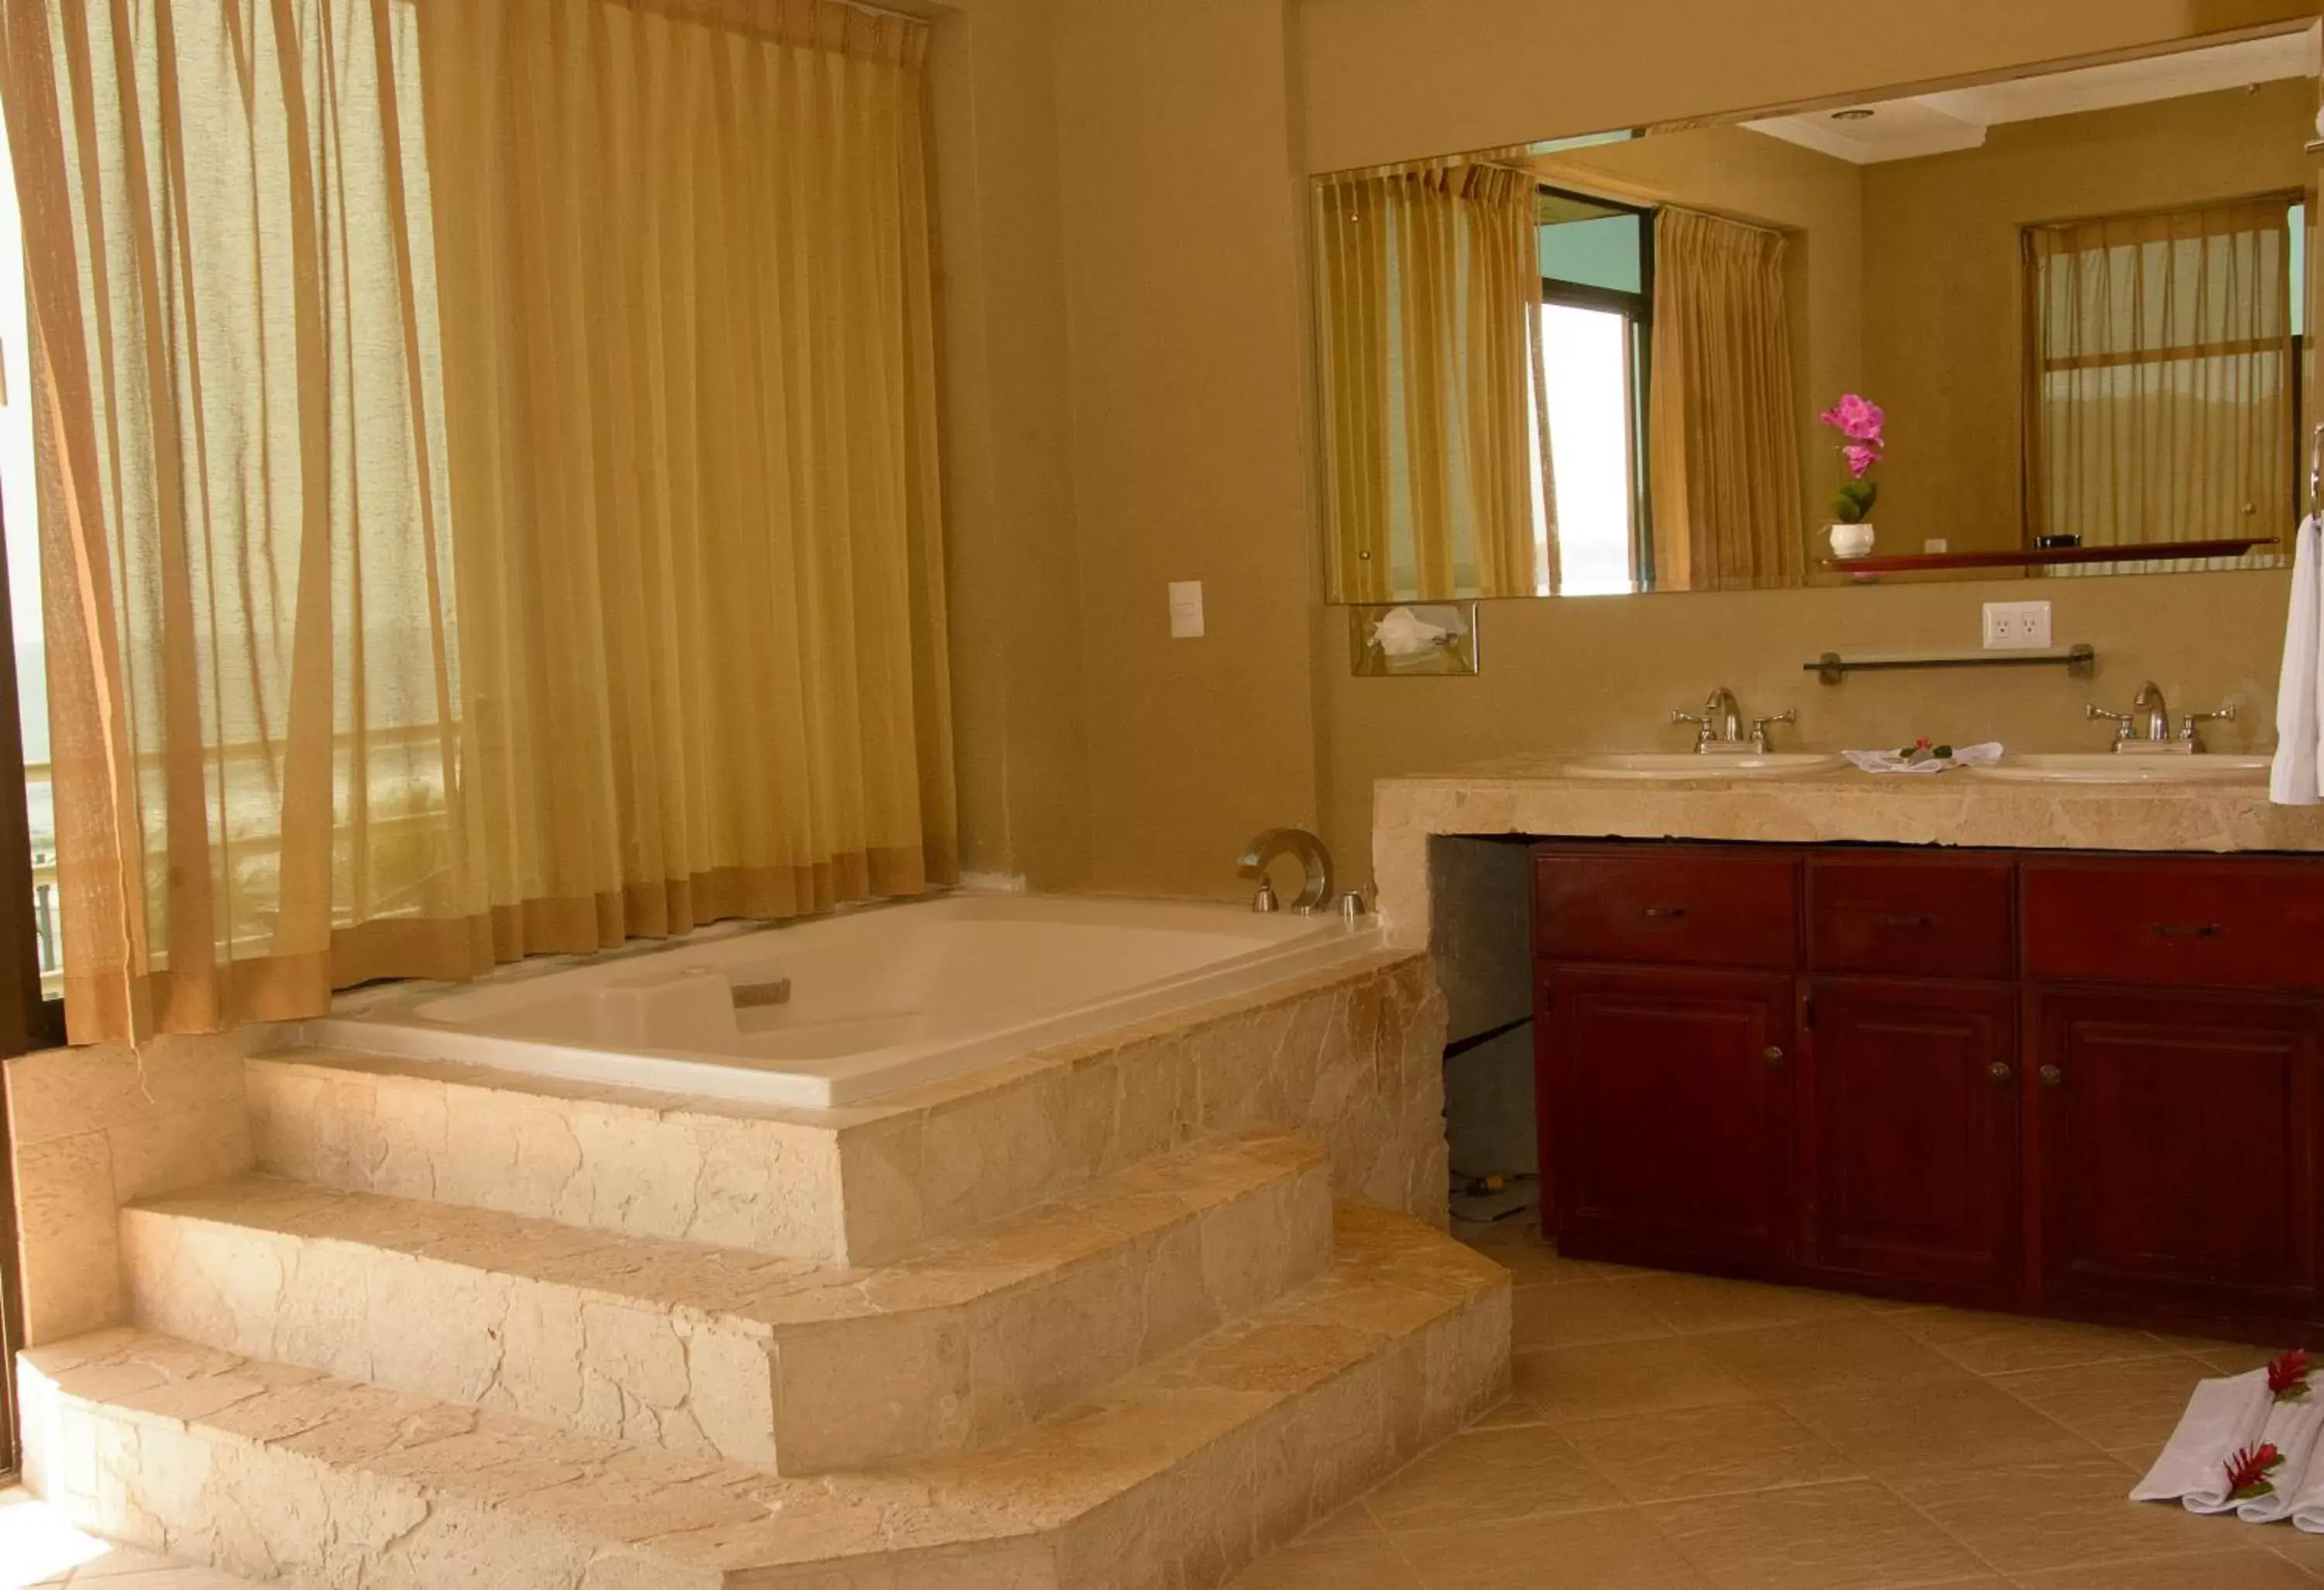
<point x="1676" y="905"/>
<point x="2227" y="924"/>
<point x="1910" y="915"/>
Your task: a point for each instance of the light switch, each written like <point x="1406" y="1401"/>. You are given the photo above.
<point x="1936" y="543"/>
<point x="1185" y="609"/>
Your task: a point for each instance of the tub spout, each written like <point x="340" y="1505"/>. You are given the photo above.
<point x="1314" y="859"/>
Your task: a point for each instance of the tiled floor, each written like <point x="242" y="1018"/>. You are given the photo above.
<point x="1679" y="1433"/>
<point x="1674" y="1431"/>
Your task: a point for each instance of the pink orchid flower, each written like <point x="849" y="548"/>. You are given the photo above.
<point x="1860" y="457"/>
<point x="1859" y="419"/>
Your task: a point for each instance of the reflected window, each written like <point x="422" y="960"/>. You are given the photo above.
<point x="1597" y="286"/>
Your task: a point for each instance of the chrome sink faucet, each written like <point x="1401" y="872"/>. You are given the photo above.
<point x="1719" y="727"/>
<point x="2146" y="727"/>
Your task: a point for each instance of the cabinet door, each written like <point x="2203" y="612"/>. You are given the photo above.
<point x="2175" y="1146"/>
<point x="1909" y="1164"/>
<point x="1665" y="1106"/>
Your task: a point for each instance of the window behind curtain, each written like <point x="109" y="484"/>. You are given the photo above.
<point x="2160" y="399"/>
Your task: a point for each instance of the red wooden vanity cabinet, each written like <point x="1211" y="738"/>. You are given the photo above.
<point x="2075" y="1084"/>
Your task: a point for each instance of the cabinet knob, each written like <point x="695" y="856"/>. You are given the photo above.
<point x="1999" y="1071"/>
<point x="2051" y="1077"/>
<point x="1773" y="1054"/>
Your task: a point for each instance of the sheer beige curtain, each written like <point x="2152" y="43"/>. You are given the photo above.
<point x="1724" y="415"/>
<point x="487" y="482"/>
<point x="2159" y="375"/>
<point x="1428" y="291"/>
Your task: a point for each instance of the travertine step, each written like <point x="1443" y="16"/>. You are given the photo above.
<point x="713" y="1351"/>
<point x="1176" y="1475"/>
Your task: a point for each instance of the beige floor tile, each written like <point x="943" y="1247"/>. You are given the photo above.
<point x="1351" y="1523"/>
<point x="1847" y="1352"/>
<point x="2226" y="1357"/>
<point x="2129" y="1406"/>
<point x="1575" y="1315"/>
<point x="1616" y="1551"/>
<point x="1568" y="1383"/>
<point x="1485" y="1476"/>
<point x="1339" y="1565"/>
<point x="1532" y="1261"/>
<point x="1697" y="1303"/>
<point x="1708" y="1452"/>
<point x="2211" y="1570"/>
<point x="2020" y="1518"/>
<point x="2297" y="1547"/>
<point x="1815" y="1538"/>
<point x="1509" y="1412"/>
<point x="1999" y="1344"/>
<point x="1940" y="1425"/>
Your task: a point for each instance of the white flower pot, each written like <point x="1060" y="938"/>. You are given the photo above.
<point x="1850" y="541"/>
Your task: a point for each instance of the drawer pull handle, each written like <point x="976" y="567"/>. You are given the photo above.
<point x="1896" y="922"/>
<point x="1773" y="1054"/>
<point x="2051" y="1077"/>
<point x="1667" y="913"/>
<point x="1999" y="1071"/>
<point x="2198" y="931"/>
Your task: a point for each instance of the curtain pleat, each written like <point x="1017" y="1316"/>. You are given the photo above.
<point x="2159" y="376"/>
<point x="488" y="481"/>
<point x="1724" y="415"/>
<point x="1428" y="291"/>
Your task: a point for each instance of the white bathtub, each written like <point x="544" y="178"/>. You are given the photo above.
<point x="844" y="1008"/>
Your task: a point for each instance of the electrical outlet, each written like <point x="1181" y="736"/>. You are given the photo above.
<point x="2016" y="626"/>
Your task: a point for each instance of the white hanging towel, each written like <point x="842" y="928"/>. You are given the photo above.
<point x="2298" y="701"/>
<point x="2292" y="1428"/>
<point x="2222" y="1418"/>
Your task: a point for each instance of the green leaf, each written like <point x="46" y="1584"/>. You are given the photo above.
<point x="1854" y="500"/>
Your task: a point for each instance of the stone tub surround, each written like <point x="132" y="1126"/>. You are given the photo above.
<point x="707" y="1351"/>
<point x="1528" y="795"/>
<point x="1350" y="1058"/>
<point x="1176" y="1474"/>
<point x="92" y="1129"/>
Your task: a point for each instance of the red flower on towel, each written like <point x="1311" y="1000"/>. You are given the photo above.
<point x="2248" y="1469"/>
<point x="2287" y="1377"/>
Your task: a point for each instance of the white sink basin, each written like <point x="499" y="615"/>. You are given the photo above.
<point x="1672" y="766"/>
<point x="2104" y="767"/>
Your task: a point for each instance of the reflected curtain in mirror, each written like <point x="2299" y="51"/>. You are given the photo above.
<point x="1437" y="462"/>
<point x="1724" y="414"/>
<point x="487" y="482"/>
<point x="2159" y="375"/>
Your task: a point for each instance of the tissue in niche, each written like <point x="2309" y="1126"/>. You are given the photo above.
<point x="1404" y="633"/>
<point x="1388" y="638"/>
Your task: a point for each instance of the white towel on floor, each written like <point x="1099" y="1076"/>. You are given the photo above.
<point x="2292" y="1428"/>
<point x="2223" y="1416"/>
<point x="2299" y="696"/>
<point x="2308" y="1496"/>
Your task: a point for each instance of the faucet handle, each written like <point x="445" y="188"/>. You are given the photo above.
<point x="2187" y="724"/>
<point x="2094" y="712"/>
<point x="1701" y="723"/>
<point x="1760" y="726"/>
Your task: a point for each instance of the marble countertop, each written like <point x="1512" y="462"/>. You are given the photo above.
<point x="1532" y="795"/>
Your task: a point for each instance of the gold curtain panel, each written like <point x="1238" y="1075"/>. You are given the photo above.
<point x="1723" y="408"/>
<point x="2159" y="375"/>
<point x="488" y="482"/>
<point x="1428" y="291"/>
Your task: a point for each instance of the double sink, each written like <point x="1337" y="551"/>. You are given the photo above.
<point x="2103" y="767"/>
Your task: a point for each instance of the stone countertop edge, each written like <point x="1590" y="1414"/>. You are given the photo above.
<point x="1530" y="795"/>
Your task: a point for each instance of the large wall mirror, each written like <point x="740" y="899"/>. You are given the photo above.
<point x="2052" y="324"/>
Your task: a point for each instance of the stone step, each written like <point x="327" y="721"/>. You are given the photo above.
<point x="710" y="1350"/>
<point x="1176" y="1475"/>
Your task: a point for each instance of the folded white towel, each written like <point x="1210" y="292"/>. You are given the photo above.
<point x="2299" y="711"/>
<point x="2291" y="1429"/>
<point x="2223" y="1416"/>
<point x="1894" y="762"/>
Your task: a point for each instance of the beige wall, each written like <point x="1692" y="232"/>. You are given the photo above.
<point x="1941" y="267"/>
<point x="1131" y="403"/>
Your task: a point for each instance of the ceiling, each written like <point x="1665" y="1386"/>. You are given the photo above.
<point x="1956" y="118"/>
